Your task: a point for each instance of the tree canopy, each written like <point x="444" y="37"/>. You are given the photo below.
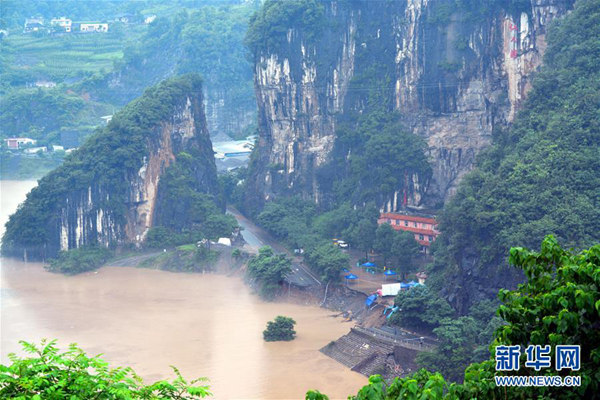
<point x="282" y="328"/>
<point x="269" y="269"/>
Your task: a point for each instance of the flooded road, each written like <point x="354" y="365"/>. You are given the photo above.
<point x="206" y="325"/>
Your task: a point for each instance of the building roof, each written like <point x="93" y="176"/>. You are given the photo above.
<point x="412" y="229"/>
<point x="404" y="217"/>
<point x="20" y="138"/>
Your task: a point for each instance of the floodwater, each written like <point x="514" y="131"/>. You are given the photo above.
<point x="206" y="325"/>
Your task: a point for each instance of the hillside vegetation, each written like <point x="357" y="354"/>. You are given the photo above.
<point x="539" y="177"/>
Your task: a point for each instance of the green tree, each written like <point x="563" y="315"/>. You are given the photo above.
<point x="363" y="235"/>
<point x="269" y="269"/>
<point x="280" y="329"/>
<point x="51" y="374"/>
<point x="328" y="260"/>
<point x="421" y="308"/>
<point x="384" y="239"/>
<point x="404" y="250"/>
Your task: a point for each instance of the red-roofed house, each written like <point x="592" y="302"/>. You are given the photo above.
<point x="425" y="229"/>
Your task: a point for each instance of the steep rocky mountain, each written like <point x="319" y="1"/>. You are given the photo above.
<point x="107" y="192"/>
<point x="455" y="71"/>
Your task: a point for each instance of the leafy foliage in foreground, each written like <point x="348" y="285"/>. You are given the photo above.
<point x="559" y="304"/>
<point x="79" y="260"/>
<point x="282" y="328"/>
<point x="51" y="374"/>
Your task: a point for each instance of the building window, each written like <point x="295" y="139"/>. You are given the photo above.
<point x="405" y="223"/>
<point x="430" y="238"/>
<point x="389" y="221"/>
<point x="415" y="224"/>
<point x="421" y="237"/>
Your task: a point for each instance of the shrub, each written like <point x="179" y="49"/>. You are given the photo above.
<point x="282" y="328"/>
<point x="79" y="260"/>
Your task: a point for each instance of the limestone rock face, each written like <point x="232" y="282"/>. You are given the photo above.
<point x="455" y="78"/>
<point x="107" y="192"/>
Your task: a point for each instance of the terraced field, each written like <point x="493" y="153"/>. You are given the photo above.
<point x="72" y="55"/>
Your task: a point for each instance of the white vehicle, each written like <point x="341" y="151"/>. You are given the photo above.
<point x="342" y="244"/>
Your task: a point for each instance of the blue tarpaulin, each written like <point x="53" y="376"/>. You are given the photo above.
<point x="404" y="285"/>
<point x="370" y="300"/>
<point x="390" y="272"/>
<point x="345" y="270"/>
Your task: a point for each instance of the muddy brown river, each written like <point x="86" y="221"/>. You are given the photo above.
<point x="206" y="325"/>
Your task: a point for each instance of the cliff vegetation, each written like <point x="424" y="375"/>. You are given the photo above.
<point x="539" y="177"/>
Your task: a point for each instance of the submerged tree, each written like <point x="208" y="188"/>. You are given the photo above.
<point x="282" y="328"/>
<point x="269" y="269"/>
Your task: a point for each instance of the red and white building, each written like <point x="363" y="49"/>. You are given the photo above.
<point x="16" y="143"/>
<point x="424" y="229"/>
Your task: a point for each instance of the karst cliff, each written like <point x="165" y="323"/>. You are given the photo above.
<point x="457" y="73"/>
<point x="106" y="191"/>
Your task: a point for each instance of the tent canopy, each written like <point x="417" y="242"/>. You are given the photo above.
<point x="368" y="264"/>
<point x="390" y="272"/>
<point x="351" y="276"/>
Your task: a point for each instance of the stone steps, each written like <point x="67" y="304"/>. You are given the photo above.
<point x="358" y="352"/>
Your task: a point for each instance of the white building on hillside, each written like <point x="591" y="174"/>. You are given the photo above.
<point x="93" y="26"/>
<point x="61" y="23"/>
